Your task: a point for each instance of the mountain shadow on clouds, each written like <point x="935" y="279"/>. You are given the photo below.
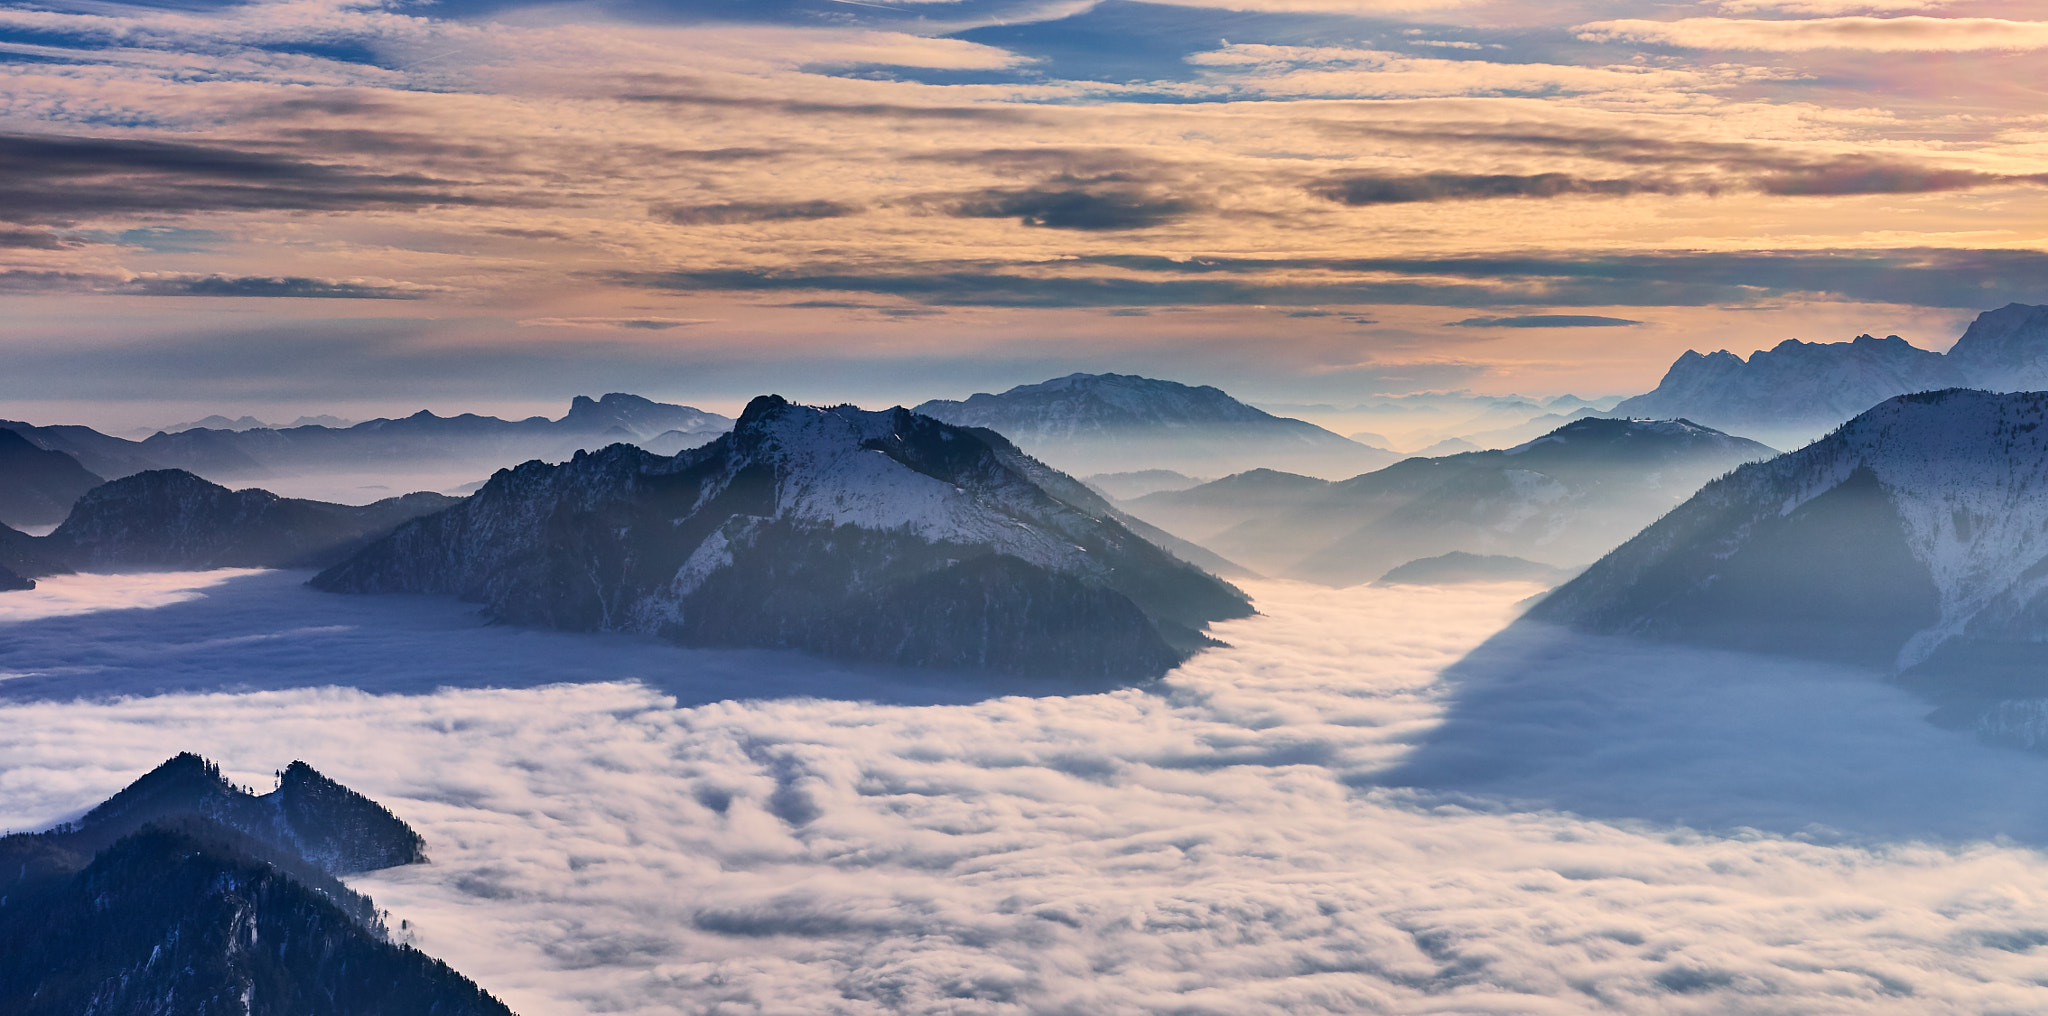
<point x="270" y="631"/>
<point x="1895" y="571"/>
<point x="1624" y="729"/>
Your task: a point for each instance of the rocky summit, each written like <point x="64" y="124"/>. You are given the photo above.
<point x="186" y="894"/>
<point x="876" y="537"/>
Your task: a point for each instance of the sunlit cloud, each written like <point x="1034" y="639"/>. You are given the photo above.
<point x="1876" y="35"/>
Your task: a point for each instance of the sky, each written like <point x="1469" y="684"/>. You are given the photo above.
<point x="374" y="206"/>
<point x="1371" y="800"/>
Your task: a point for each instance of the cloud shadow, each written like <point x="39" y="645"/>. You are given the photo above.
<point x="1622" y="729"/>
<point x="268" y="631"/>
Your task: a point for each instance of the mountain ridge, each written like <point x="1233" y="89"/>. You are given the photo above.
<point x="1912" y="539"/>
<point x="827" y="530"/>
<point x="1093" y="423"/>
<point x="423" y="436"/>
<point x="183" y="893"/>
<point x="1797" y="390"/>
<point x="1562" y="497"/>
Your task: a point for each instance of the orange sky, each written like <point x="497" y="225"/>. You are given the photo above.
<point x="362" y="207"/>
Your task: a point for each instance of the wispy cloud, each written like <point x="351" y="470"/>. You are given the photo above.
<point x="1912" y="33"/>
<point x="54" y="179"/>
<point x="1546" y="321"/>
<point x="734" y="212"/>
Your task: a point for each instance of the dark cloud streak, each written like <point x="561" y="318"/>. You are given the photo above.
<point x="1546" y="321"/>
<point x="1391" y="190"/>
<point x="1928" y="277"/>
<point x="753" y="211"/>
<point x="1052" y="208"/>
<point x="61" y="180"/>
<point x="289" y="287"/>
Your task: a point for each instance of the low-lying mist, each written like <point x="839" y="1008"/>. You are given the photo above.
<point x="1374" y="800"/>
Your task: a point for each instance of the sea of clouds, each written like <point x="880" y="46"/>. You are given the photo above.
<point x="1375" y="800"/>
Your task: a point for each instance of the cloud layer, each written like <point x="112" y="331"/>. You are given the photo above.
<point x="1247" y="838"/>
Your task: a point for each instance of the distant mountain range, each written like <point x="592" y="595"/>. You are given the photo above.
<point x="1428" y="423"/>
<point x="1796" y="391"/>
<point x="1565" y="498"/>
<point x="1096" y="423"/>
<point x="1459" y="568"/>
<point x="880" y="537"/>
<point x="219" y="422"/>
<point x="185" y="894"/>
<point x="169" y="518"/>
<point x="38" y="486"/>
<point x="1913" y="539"/>
<point x="382" y="444"/>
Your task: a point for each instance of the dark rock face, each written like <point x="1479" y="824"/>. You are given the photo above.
<point x="874" y="537"/>
<point x="325" y="826"/>
<point x="28" y="557"/>
<point x="1796" y="390"/>
<point x="185" y="895"/>
<point x="1568" y="496"/>
<point x="1088" y="423"/>
<point x="37" y="486"/>
<point x="1913" y="539"/>
<point x="10" y="582"/>
<point x="169" y="518"/>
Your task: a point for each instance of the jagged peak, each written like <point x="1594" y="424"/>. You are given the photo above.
<point x="760" y="408"/>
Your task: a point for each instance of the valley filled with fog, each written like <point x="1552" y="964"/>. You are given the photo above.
<point x="1375" y="799"/>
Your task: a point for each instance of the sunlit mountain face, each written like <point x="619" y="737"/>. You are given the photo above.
<point x="478" y="205"/>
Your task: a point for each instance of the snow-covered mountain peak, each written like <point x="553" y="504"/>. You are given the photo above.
<point x="847" y="466"/>
<point x="1968" y="473"/>
<point x="1919" y="523"/>
<point x="2005" y="349"/>
<point x="879" y="536"/>
<point x="1120" y="422"/>
<point x="1797" y="390"/>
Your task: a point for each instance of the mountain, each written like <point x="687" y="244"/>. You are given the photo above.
<point x="310" y="826"/>
<point x="421" y="438"/>
<point x="1421" y="421"/>
<point x="1202" y="512"/>
<point x="1568" y="496"/>
<point x="28" y="557"/>
<point x="1089" y="423"/>
<point x="2005" y="350"/>
<point x="1458" y="567"/>
<point x="179" y="920"/>
<point x="219" y="422"/>
<point x="14" y="582"/>
<point x="1797" y="390"/>
<point x="1508" y="437"/>
<point x="37" y="486"/>
<point x="185" y="894"/>
<point x="880" y="537"/>
<point x="169" y="518"/>
<point x="1913" y="539"/>
<point x="1139" y="482"/>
